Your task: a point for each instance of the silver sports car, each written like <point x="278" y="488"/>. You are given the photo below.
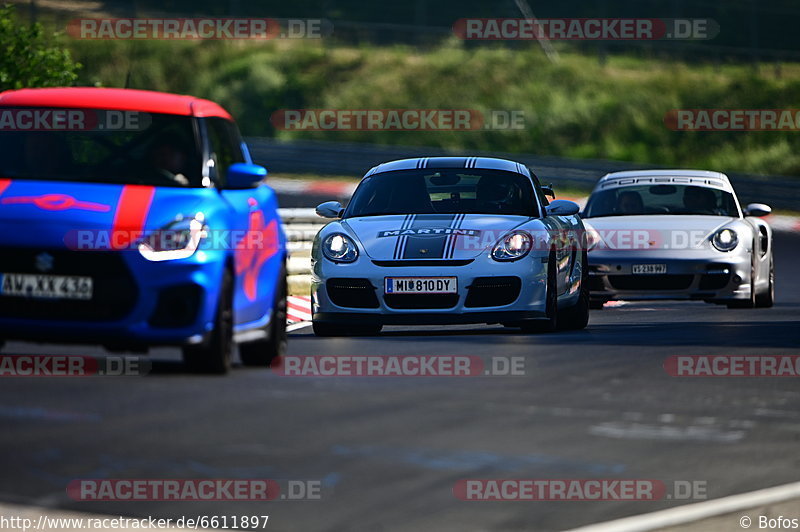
<point x="449" y="240"/>
<point x="677" y="234"/>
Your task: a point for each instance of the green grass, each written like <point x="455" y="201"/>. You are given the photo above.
<point x="576" y="108"/>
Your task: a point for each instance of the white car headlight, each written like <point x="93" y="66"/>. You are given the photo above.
<point x="338" y="247"/>
<point x="725" y="240"/>
<point x="512" y="246"/>
<point x="178" y="239"/>
<point x="591" y="238"/>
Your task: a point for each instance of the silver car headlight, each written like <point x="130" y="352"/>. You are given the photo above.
<point x="725" y="240"/>
<point x="179" y="239"/>
<point x="512" y="246"/>
<point x="339" y="247"/>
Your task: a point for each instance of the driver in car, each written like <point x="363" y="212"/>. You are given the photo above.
<point x="496" y="194"/>
<point x="698" y="200"/>
<point x="169" y="160"/>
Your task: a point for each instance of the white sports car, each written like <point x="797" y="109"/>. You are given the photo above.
<point x="449" y="240"/>
<point x="677" y="234"/>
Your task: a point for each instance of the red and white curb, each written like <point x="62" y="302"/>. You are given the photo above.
<point x="298" y="312"/>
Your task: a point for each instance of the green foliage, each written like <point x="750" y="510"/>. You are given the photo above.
<point x="576" y="108"/>
<point x="28" y="58"/>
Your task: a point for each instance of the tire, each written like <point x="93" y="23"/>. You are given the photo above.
<point x="751" y="302"/>
<point x="214" y="356"/>
<point x="576" y="317"/>
<point x="549" y="324"/>
<point x="766" y="299"/>
<point x="261" y="353"/>
<point x="323" y="329"/>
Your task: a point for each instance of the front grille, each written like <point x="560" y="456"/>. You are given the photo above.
<point x="596" y="283"/>
<point x="421" y="262"/>
<point x="420" y="301"/>
<point x="715" y="280"/>
<point x="651" y="282"/>
<point x="177" y="306"/>
<point x="114" y="291"/>
<point x="493" y="291"/>
<point x="352" y="293"/>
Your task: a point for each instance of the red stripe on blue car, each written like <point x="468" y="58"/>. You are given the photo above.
<point x="132" y="209"/>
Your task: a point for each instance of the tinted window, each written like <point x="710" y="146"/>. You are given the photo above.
<point x="225" y="147"/>
<point x="446" y="191"/>
<point x="161" y="150"/>
<point x="661" y="199"/>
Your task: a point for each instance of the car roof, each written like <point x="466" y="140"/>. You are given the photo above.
<point x="113" y="99"/>
<point x="489" y="163"/>
<point x="700" y="178"/>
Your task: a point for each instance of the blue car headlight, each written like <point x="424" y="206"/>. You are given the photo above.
<point x="338" y="247"/>
<point x="512" y="246"/>
<point x="725" y="240"/>
<point x="178" y="239"/>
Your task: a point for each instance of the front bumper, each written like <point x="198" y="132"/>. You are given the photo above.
<point x="136" y="302"/>
<point x="698" y="276"/>
<point x="368" y="303"/>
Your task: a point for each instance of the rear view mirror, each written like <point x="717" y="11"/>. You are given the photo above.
<point x="330" y="209"/>
<point x="758" y="210"/>
<point x="548" y="191"/>
<point x="245" y="175"/>
<point x="562" y="208"/>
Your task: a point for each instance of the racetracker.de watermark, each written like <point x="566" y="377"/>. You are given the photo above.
<point x="398" y="366"/>
<point x="733" y="119"/>
<point x="602" y="489"/>
<point x="397" y="119"/>
<point x="159" y="489"/>
<point x="585" y="29"/>
<point x="53" y="119"/>
<point x="73" y="366"/>
<point x="198" y="28"/>
<point x="733" y="365"/>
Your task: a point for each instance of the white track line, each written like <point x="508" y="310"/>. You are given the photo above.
<point x="297" y="326"/>
<point x="696" y="512"/>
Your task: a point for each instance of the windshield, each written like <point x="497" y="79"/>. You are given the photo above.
<point x="444" y="191"/>
<point x="160" y="151"/>
<point x="661" y="199"/>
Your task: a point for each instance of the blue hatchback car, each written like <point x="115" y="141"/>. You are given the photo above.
<point x="132" y="219"/>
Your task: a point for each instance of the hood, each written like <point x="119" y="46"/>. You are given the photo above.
<point x="668" y="231"/>
<point x="429" y="236"/>
<point x="54" y="214"/>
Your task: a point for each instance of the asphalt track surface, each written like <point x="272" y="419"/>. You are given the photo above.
<point x="388" y="451"/>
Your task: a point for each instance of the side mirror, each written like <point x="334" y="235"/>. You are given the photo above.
<point x="758" y="210"/>
<point x="548" y="191"/>
<point x="330" y="209"/>
<point x="245" y="175"/>
<point x="562" y="208"/>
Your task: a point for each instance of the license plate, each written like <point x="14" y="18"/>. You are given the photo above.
<point x="421" y="285"/>
<point x="649" y="269"/>
<point x="46" y="286"/>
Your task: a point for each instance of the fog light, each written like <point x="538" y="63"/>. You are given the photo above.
<point x="737" y="279"/>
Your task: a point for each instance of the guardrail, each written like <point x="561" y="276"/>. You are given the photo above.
<point x="344" y="158"/>
<point x="300" y="225"/>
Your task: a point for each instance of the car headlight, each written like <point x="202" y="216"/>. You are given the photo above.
<point x="591" y="238"/>
<point x="512" y="246"/>
<point x="179" y="239"/>
<point x="725" y="240"/>
<point x="338" y="247"/>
